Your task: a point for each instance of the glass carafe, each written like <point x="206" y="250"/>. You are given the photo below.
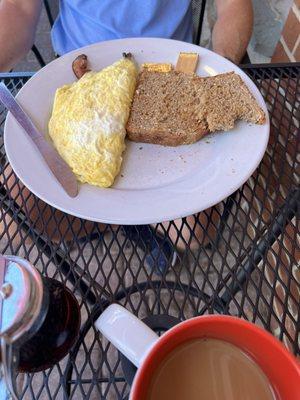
<point x="39" y="317"/>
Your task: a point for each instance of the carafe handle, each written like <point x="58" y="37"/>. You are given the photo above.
<point x="9" y="358"/>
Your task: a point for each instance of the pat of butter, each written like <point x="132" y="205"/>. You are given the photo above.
<point x="187" y="62"/>
<point x="157" y="67"/>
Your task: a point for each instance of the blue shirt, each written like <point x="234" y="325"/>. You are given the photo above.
<point x="82" y="22"/>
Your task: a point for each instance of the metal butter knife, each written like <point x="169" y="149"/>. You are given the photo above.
<point x="57" y="165"/>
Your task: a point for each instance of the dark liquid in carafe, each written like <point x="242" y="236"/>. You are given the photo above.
<point x="56" y="335"/>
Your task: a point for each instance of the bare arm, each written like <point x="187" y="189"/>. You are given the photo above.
<point x="18" y="21"/>
<point x="233" y="28"/>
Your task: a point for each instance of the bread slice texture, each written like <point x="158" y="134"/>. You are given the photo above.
<point x="162" y="109"/>
<point x="175" y="108"/>
<point x="225" y="99"/>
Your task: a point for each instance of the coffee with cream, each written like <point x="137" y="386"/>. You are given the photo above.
<point x="209" y="369"/>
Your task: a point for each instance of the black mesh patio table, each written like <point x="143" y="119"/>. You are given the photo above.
<point x="247" y="266"/>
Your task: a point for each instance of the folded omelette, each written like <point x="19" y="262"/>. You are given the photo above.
<point x="88" y="121"/>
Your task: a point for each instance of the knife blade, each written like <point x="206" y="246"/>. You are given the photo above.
<point x="59" y="168"/>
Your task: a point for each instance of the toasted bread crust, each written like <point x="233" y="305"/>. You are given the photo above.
<point x="166" y="138"/>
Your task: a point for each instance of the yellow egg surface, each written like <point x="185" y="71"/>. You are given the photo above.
<point x="88" y="121"/>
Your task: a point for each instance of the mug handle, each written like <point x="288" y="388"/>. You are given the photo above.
<point x="127" y="333"/>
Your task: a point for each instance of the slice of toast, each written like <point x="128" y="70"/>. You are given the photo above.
<point x="226" y="99"/>
<point x="175" y="108"/>
<point x="162" y="109"/>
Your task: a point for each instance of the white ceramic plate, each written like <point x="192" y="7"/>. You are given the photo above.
<point x="156" y="183"/>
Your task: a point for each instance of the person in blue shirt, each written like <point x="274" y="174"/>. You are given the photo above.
<point x="82" y="22"/>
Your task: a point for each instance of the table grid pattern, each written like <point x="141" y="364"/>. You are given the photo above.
<point x="246" y="264"/>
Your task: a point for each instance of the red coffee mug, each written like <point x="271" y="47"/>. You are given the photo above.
<point x="146" y="350"/>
